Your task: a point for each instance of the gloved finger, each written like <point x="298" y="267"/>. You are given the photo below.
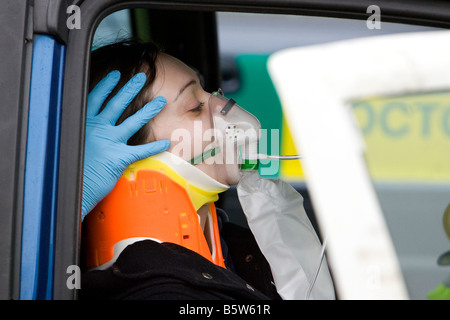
<point x="122" y="99"/>
<point x="147" y="150"/>
<point x="101" y="91"/>
<point x="132" y="124"/>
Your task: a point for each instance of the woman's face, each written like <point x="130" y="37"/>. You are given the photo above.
<point x="186" y="118"/>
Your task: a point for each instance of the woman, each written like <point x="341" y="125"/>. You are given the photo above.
<point x="161" y="269"/>
<point x="186" y="108"/>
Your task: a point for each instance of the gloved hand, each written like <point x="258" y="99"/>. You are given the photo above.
<point x="276" y="217"/>
<point x="107" y="154"/>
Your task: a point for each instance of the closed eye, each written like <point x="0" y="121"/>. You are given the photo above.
<point x="198" y="109"/>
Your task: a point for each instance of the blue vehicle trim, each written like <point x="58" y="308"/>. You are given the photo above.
<point x="41" y="169"/>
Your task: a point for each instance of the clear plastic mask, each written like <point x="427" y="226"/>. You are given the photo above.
<point x="236" y="134"/>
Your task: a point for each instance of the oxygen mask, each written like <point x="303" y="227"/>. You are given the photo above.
<point x="234" y="139"/>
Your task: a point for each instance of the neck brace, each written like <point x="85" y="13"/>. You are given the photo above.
<point x="156" y="198"/>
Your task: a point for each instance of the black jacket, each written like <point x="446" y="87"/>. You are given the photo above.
<point x="147" y="270"/>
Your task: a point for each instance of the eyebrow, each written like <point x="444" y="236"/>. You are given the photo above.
<point x="190" y="83"/>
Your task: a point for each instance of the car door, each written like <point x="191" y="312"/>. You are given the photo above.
<point x="46" y="47"/>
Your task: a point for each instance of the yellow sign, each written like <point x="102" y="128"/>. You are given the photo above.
<point x="289" y="169"/>
<point x="407" y="138"/>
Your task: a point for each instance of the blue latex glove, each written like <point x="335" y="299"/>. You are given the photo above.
<point x="107" y="154"/>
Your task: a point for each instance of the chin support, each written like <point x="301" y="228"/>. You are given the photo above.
<point x="152" y="201"/>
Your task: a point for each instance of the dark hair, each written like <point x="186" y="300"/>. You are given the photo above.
<point x="129" y="57"/>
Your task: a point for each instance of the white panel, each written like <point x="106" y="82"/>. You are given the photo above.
<point x="316" y="85"/>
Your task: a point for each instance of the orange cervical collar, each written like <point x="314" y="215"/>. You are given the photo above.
<point x="148" y="205"/>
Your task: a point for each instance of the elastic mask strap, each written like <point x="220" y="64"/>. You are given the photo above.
<point x="205" y="155"/>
